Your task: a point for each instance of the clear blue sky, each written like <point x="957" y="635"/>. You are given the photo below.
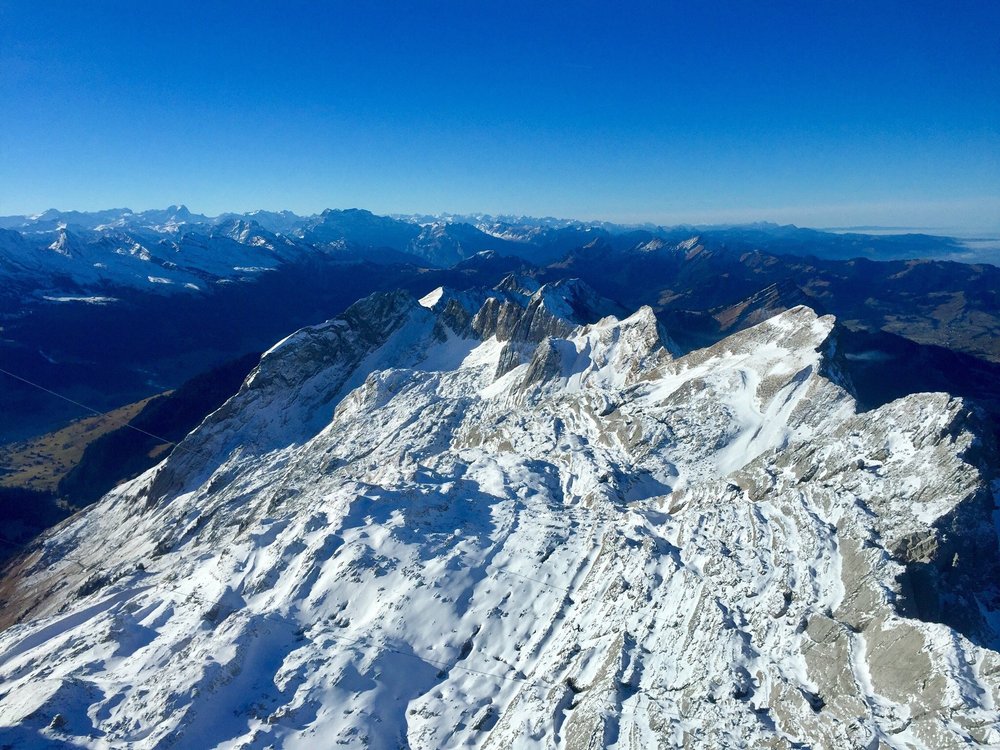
<point x="819" y="113"/>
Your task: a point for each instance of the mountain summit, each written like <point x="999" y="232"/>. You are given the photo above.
<point x="515" y="517"/>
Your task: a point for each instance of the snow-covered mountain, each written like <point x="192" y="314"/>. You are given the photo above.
<point x="75" y="255"/>
<point x="517" y="518"/>
<point x="67" y="261"/>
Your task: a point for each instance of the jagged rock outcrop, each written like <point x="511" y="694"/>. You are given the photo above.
<point x="506" y="518"/>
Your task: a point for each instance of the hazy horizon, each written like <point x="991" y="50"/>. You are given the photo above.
<point x="874" y="229"/>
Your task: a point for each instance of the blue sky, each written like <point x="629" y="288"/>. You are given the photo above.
<point x="817" y="113"/>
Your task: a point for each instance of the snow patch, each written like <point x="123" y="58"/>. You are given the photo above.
<point x="431" y="298"/>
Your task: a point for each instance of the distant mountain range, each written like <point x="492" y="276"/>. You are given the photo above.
<point x="112" y="306"/>
<point x="177" y="249"/>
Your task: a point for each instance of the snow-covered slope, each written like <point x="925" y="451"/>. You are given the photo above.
<point x="491" y="519"/>
<point x="158" y="261"/>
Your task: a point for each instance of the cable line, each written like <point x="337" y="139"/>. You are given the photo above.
<point x="125" y="423"/>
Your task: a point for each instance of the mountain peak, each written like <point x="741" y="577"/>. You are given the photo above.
<point x="518" y="284"/>
<point x="382" y="503"/>
<point x="65" y="244"/>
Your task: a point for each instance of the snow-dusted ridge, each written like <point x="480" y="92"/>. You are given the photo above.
<point x="516" y="518"/>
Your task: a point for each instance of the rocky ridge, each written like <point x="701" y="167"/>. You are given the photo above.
<point x="516" y="517"/>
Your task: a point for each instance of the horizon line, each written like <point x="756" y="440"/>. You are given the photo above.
<point x="845" y="228"/>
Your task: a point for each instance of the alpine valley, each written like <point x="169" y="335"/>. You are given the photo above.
<point x="501" y="482"/>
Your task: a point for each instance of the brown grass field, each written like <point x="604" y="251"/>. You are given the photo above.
<point x="39" y="463"/>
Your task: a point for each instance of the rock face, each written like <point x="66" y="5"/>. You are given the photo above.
<point x="507" y="519"/>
